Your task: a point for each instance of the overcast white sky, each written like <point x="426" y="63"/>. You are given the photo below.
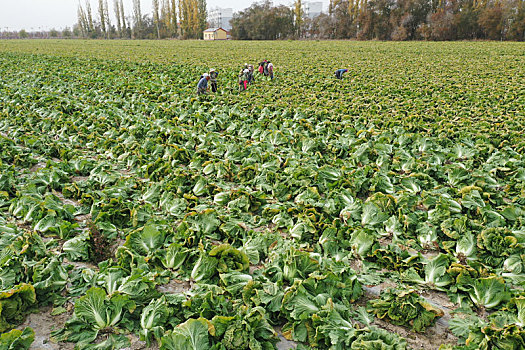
<point x="46" y="14"/>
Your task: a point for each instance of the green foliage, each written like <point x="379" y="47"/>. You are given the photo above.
<point x="436" y="273"/>
<point x="405" y="308"/>
<point x="15" y="304"/>
<point x="152" y="319"/>
<point x="192" y="334"/>
<point x="220" y="259"/>
<point x="496" y="333"/>
<point x="215" y="219"/>
<point x="248" y="329"/>
<point x="17" y="339"/>
<point x="489" y="292"/>
<point x="498" y="242"/>
<point x="96" y="312"/>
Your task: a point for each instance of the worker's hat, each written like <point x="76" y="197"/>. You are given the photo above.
<point x="205" y="75"/>
<point x="212" y="70"/>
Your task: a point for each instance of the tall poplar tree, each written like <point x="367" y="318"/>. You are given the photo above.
<point x="192" y="15"/>
<point x="137" y="19"/>
<point x="89" y="16"/>
<point x="156" y="17"/>
<point x="202" y="17"/>
<point x="116" y="8"/>
<point x="123" y="18"/>
<point x="298" y="13"/>
<point x="195" y="19"/>
<point x="165" y="18"/>
<point x="184" y="15"/>
<point x="102" y="17"/>
<point x="108" y="21"/>
<point x="82" y="21"/>
<point x="173" y="19"/>
<point x="168" y="18"/>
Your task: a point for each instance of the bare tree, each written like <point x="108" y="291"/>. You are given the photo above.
<point x="102" y="16"/>
<point x="123" y="18"/>
<point x="108" y="21"/>
<point x="82" y="21"/>
<point x="137" y="19"/>
<point x="116" y="8"/>
<point x="173" y="18"/>
<point x="89" y="16"/>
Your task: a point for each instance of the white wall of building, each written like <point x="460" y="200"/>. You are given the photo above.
<point x="220" y="18"/>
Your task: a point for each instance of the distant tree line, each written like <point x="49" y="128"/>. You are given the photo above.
<point x="169" y="19"/>
<point x="345" y="19"/>
<point x="262" y="21"/>
<point x="65" y="33"/>
<point x="386" y="20"/>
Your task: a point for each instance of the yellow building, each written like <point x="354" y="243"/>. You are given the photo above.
<point x="215" y="34"/>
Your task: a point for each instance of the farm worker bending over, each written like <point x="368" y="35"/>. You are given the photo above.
<point x="261" y="67"/>
<point x="270" y="69"/>
<point x="339" y="73"/>
<point x="243" y="79"/>
<point x="213" y="79"/>
<point x="202" y="86"/>
<point x="251" y="78"/>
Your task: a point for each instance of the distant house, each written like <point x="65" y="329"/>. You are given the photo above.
<point x="215" y="34"/>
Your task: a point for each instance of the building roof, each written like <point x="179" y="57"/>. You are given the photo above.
<point x="213" y="30"/>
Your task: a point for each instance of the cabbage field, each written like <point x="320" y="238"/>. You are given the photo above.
<point x="382" y="211"/>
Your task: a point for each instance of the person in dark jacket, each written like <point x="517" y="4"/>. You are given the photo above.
<point x="251" y="78"/>
<point x="213" y="79"/>
<point x="339" y="73"/>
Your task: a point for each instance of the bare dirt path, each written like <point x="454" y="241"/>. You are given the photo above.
<point x="43" y="323"/>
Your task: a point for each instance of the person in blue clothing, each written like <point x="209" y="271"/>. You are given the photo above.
<point x="339" y="73"/>
<point x="202" y="86"/>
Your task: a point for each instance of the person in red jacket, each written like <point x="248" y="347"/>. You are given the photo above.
<point x="262" y="66"/>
